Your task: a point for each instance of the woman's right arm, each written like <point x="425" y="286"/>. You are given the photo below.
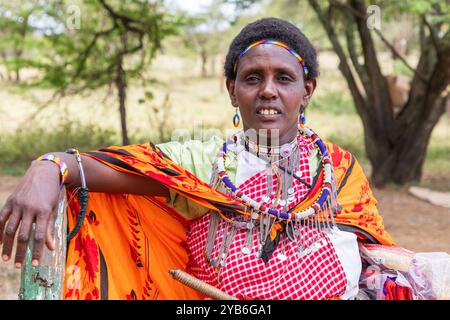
<point x="36" y="197"/>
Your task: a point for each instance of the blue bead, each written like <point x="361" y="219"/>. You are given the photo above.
<point x="303" y="118"/>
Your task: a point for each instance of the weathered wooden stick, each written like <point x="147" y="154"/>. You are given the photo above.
<point x="200" y="286"/>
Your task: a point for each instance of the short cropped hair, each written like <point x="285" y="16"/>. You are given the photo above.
<point x="272" y="29"/>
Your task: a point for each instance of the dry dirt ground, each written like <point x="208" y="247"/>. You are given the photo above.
<point x="414" y="224"/>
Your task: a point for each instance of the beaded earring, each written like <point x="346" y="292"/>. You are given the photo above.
<point x="302" y="118"/>
<point x="236" y="119"/>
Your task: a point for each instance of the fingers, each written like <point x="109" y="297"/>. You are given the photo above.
<point x="23" y="237"/>
<point x="30" y="203"/>
<point x="4" y="215"/>
<point x="10" y="232"/>
<point x="44" y="232"/>
<point x="39" y="238"/>
<point x="50" y="236"/>
<point x="40" y="216"/>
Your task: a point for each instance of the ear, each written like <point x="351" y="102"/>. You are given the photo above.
<point x="230" y="87"/>
<point x="310" y="86"/>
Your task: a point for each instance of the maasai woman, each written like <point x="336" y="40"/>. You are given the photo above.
<point x="271" y="212"/>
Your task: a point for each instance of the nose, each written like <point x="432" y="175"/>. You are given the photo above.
<point x="268" y="90"/>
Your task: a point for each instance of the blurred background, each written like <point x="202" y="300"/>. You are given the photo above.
<point x="94" y="73"/>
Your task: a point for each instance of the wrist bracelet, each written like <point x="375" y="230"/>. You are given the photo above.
<point x="83" y="196"/>
<point x="80" y="166"/>
<point x="64" y="172"/>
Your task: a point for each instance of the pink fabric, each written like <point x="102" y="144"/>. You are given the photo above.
<point x="317" y="275"/>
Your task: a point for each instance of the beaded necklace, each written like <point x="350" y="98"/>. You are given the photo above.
<point x="269" y="151"/>
<point x="262" y="208"/>
<point x="263" y="216"/>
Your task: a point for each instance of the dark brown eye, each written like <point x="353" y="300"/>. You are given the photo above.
<point x="252" y="78"/>
<point x="285" y="78"/>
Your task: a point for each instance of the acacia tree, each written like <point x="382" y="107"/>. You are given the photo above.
<point x="14" y="29"/>
<point x="115" y="42"/>
<point x="396" y="143"/>
<point x="204" y="34"/>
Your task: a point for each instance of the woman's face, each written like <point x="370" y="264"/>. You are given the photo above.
<point x="269" y="90"/>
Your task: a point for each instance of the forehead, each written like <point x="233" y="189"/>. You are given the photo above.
<point x="268" y="56"/>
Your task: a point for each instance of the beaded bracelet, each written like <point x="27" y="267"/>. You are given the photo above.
<point x="64" y="172"/>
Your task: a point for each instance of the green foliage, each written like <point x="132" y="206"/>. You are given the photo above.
<point x="19" y="149"/>
<point x="83" y="57"/>
<point x="400" y="68"/>
<point x="352" y="143"/>
<point x="439" y="8"/>
<point x="438" y="155"/>
<point x="205" y="34"/>
<point x="15" y="35"/>
<point x="333" y="103"/>
<point x="159" y="118"/>
<point x="89" y="44"/>
<point x="242" y="4"/>
<point x="300" y="14"/>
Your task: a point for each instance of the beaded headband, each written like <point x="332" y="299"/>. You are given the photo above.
<point x="278" y="43"/>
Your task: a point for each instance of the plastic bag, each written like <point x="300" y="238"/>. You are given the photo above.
<point x="429" y="275"/>
<point x="395" y="273"/>
<point x="382" y="276"/>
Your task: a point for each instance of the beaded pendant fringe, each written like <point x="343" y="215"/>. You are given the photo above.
<point x="309" y="233"/>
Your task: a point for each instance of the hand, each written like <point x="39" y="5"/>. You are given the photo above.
<point x="34" y="200"/>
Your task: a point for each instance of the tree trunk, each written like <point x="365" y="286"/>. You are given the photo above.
<point x="415" y="123"/>
<point x="121" y="86"/>
<point x="5" y="63"/>
<point x="405" y="161"/>
<point x="18" y="50"/>
<point x="204" y="56"/>
<point x="212" y="63"/>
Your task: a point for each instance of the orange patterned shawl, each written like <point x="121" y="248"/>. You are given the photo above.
<point x="128" y="243"/>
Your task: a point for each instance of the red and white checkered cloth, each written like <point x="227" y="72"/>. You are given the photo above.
<point x="317" y="275"/>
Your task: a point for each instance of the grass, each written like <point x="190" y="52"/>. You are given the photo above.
<point x="333" y="104"/>
<point x="436" y="169"/>
<point x="438" y="152"/>
<point x="18" y="149"/>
